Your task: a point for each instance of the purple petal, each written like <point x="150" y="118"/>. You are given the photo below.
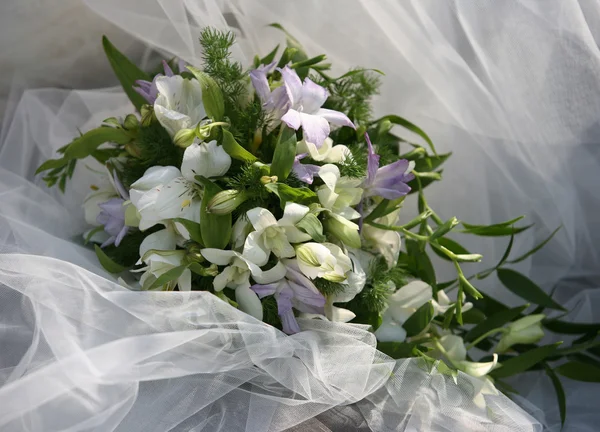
<point x="391" y="194"/>
<point x="307" y="296"/>
<point x="167" y="68"/>
<point x="289" y="324"/>
<point x="335" y="117"/>
<point x="181" y="65"/>
<point x="111" y="240"/>
<point x="313" y="96"/>
<point x="114" y="207"/>
<point x="261" y="85"/>
<point x="147" y="90"/>
<point x="305" y="172"/>
<point x="121" y="234"/>
<point x="278" y="103"/>
<point x="119" y="186"/>
<point x="292" y="119"/>
<point x="315" y="128"/>
<point x="372" y="162"/>
<point x="396" y="169"/>
<point x="284" y="309"/>
<point x="264" y="290"/>
<point x="292" y="83"/>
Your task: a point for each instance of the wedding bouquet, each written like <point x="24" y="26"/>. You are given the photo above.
<point x="276" y="190"/>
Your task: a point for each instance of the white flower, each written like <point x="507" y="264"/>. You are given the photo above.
<point x="522" y="331"/>
<point x="456" y="352"/>
<point x="93" y="199"/>
<point x="240" y="230"/>
<point x="237" y="276"/>
<point x="324" y="260"/>
<point x="179" y="103"/>
<point x="401" y="305"/>
<point x="339" y="193"/>
<point x="158" y="263"/>
<point x="384" y="242"/>
<point x="274" y="235"/>
<point x="326" y="153"/>
<point x="355" y="282"/>
<point x="166" y="192"/>
<point x="443" y="303"/>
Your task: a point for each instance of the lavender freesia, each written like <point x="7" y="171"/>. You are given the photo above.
<point x="304" y="172"/>
<point x="388" y="182"/>
<point x="276" y="101"/>
<point x="147" y="89"/>
<point x="112" y="215"/>
<point x="306" y="100"/>
<point x="293" y="291"/>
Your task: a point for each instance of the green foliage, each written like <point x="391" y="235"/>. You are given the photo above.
<point x="328" y="288"/>
<point x="128" y="252"/>
<point x="270" y="315"/>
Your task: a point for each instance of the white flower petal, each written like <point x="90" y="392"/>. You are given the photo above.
<point x="341" y="315"/>
<point x="269" y="276"/>
<point x="413" y="295"/>
<point x="390" y="332"/>
<point x="185" y="281"/>
<point x="255" y="250"/>
<point x="293" y="213"/>
<point x="155" y="176"/>
<point x="454" y="347"/>
<point x="261" y="218"/>
<point x="338" y="154"/>
<point x="160" y="240"/>
<point x="179" y="103"/>
<point x="248" y="301"/>
<point x="478" y="369"/>
<point x="218" y="256"/>
<point x="330" y="174"/>
<point x="205" y="159"/>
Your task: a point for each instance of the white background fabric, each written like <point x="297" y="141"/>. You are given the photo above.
<point x="512" y="88"/>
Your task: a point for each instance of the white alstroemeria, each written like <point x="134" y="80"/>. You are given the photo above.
<point x="237" y="276"/>
<point x="240" y="230"/>
<point x="443" y="303"/>
<point x="272" y="235"/>
<point x="522" y="331"/>
<point x="455" y="351"/>
<point x="326" y="153"/>
<point x="401" y="305"/>
<point x="160" y="262"/>
<point x="339" y="193"/>
<point x="164" y="240"/>
<point x="324" y="260"/>
<point x="384" y="242"/>
<point x="355" y="282"/>
<point x="166" y="192"/>
<point x="179" y="103"/>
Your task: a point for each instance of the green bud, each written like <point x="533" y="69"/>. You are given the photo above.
<point x="226" y="201"/>
<point x="133" y="149"/>
<point x="268" y="179"/>
<point x="384" y="127"/>
<point x="147" y="112"/>
<point x="112" y="121"/>
<point x="184" y="138"/>
<point x="344" y="230"/>
<point x="212" y="97"/>
<point x="131" y="122"/>
<point x="444" y="229"/>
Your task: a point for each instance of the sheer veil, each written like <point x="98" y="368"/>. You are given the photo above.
<point x="511" y="88"/>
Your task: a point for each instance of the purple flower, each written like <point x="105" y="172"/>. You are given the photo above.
<point x="388" y="182"/>
<point x="304" y="172"/>
<point x="276" y="102"/>
<point x="112" y="215"/>
<point x="148" y="89"/>
<point x="305" y="108"/>
<point x="294" y="291"/>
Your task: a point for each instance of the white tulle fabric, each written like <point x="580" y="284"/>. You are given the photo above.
<point x="512" y="88"/>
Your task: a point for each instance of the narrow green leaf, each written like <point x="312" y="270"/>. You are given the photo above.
<point x="419" y="320"/>
<point x="398" y="350"/>
<point x="309" y="62"/>
<point x="410" y="126"/>
<point x="212" y="96"/>
<point x="429" y="163"/>
<point x="83" y="146"/>
<point x="285" y="153"/>
<point x="445" y="285"/>
<point x="576" y="348"/>
<point x="579" y="371"/>
<point x="312" y="226"/>
<point x="287" y="56"/>
<point x="287" y="193"/>
<point x="494" y="321"/>
<point x="193" y="228"/>
<point x="526" y="289"/>
<point x="52" y="164"/>
<point x="416" y="221"/>
<point x="444" y="229"/>
<point x="506" y="224"/>
<point x="468" y="287"/>
<point x="564" y="327"/>
<point x="535" y="249"/>
<point x="473" y="316"/>
<point x="215" y="229"/>
<point x="414" y="185"/>
<point x="126" y="71"/>
<point x="452" y="246"/>
<point x="292" y="42"/>
<point x="507" y="251"/>
<point x="560" y="393"/>
<point x="108" y="264"/>
<point x="236" y="151"/>
<point x="269" y="57"/>
<point x="424" y="268"/>
<point x="495" y="230"/>
<point x="525" y="361"/>
<point x="167" y="277"/>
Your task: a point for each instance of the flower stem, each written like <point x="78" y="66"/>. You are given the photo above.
<point x="485" y="335"/>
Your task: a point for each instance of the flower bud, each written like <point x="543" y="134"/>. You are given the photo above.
<point x="226" y="201"/>
<point x="184" y="138"/>
<point x="343" y="229"/>
<point x="131" y="122"/>
<point x="268" y="179"/>
<point x="523" y="331"/>
<point x="147" y="112"/>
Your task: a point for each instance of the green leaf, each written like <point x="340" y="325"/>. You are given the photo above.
<point x="564" y="327"/>
<point x="419" y="320"/>
<point x="452" y="246"/>
<point x="494" y="321"/>
<point x="215" y="229"/>
<point x="312" y="226"/>
<point x="507" y="251"/>
<point x="579" y="371"/>
<point x="468" y="287"/>
<point x="424" y="182"/>
<point x="83" y="146"/>
<point x="293" y="43"/>
<point x="495" y="230"/>
<point x="473" y="316"/>
<point x="212" y="96"/>
<point x="398" y="350"/>
<point x="52" y="164"/>
<point x="167" y="277"/>
<point x="560" y="393"/>
<point x="423" y="266"/>
<point x="526" y="289"/>
<point x="199" y="269"/>
<point x="236" y="151"/>
<point x="410" y="126"/>
<point x="309" y="62"/>
<point x="287" y="193"/>
<point x="91" y="234"/>
<point x="429" y="163"/>
<point x="193" y="228"/>
<point x="535" y="249"/>
<point x="108" y="264"/>
<point x="444" y="229"/>
<point x="285" y="153"/>
<point x="127" y="72"/>
<point x="269" y="57"/>
<point x="525" y="361"/>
